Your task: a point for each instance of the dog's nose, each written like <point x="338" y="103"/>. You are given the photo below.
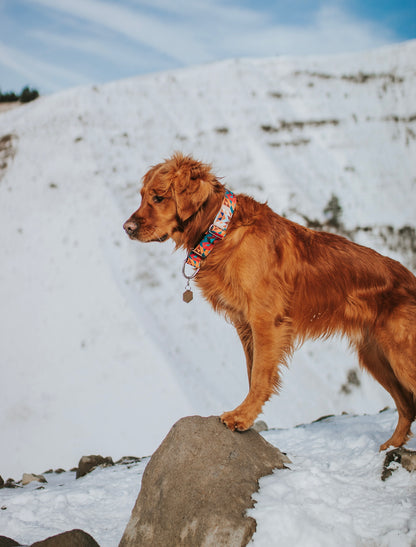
<point x="130" y="227"/>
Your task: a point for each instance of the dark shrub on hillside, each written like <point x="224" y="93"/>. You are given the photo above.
<point x="333" y="212"/>
<point x="25" y="96"/>
<point x="28" y="95"/>
<point x="9" y="97"/>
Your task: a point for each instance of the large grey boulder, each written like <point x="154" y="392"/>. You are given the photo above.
<point x="198" y="485"/>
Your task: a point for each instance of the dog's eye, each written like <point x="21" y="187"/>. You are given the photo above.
<point x="158" y="199"/>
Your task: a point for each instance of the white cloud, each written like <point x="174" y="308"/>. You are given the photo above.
<point x="173" y="39"/>
<point x="32" y="69"/>
<point x="330" y="30"/>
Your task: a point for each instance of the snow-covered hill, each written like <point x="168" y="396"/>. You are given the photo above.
<point x="98" y="352"/>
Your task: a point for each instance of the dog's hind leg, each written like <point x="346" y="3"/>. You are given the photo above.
<point x="271" y="346"/>
<point x="373" y="359"/>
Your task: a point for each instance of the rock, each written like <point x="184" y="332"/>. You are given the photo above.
<point x="259" y="426"/>
<point x="7" y="542"/>
<point x="128" y="460"/>
<point x="74" y="538"/>
<point x="10" y="483"/>
<point x="198" y="485"/>
<point x="1" y="482"/>
<point x="396" y="457"/>
<point x="89" y="463"/>
<point x="31" y="477"/>
<point x="323" y="418"/>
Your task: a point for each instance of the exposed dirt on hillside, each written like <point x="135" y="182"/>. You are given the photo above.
<point x="9" y="106"/>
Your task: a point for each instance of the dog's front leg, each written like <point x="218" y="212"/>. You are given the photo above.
<point x="246" y="337"/>
<point x="271" y="346"/>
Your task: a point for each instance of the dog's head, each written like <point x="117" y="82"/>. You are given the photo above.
<point x="172" y="192"/>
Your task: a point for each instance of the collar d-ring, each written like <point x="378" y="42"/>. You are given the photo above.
<point x="189" y="277"/>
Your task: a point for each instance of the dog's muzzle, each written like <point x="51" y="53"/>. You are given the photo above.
<point x="133" y="227"/>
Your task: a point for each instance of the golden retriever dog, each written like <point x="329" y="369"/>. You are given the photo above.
<point x="280" y="283"/>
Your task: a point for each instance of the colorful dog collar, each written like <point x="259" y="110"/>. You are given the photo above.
<point x="216" y="232"/>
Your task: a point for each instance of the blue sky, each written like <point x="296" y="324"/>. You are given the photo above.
<point x="56" y="44"/>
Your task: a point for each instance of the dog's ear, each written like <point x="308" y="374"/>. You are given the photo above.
<point x="191" y="184"/>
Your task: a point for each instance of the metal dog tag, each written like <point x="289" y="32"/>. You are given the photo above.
<point x="187" y="296"/>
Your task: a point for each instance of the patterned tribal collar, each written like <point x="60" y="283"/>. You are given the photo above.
<point x="216" y="232"/>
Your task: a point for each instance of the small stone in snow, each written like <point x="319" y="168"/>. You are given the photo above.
<point x="31" y="477"/>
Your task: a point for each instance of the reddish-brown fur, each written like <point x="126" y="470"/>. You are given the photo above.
<point x="280" y="283"/>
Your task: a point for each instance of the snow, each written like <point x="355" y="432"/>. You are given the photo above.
<point x="331" y="494"/>
<point x="31" y="513"/>
<point x="98" y="352"/>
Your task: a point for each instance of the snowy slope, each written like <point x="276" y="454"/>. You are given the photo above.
<point x="331" y="496"/>
<point x="98" y="352"/>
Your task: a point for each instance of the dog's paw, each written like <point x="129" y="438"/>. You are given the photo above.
<point x="236" y="421"/>
<point x="384" y="446"/>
